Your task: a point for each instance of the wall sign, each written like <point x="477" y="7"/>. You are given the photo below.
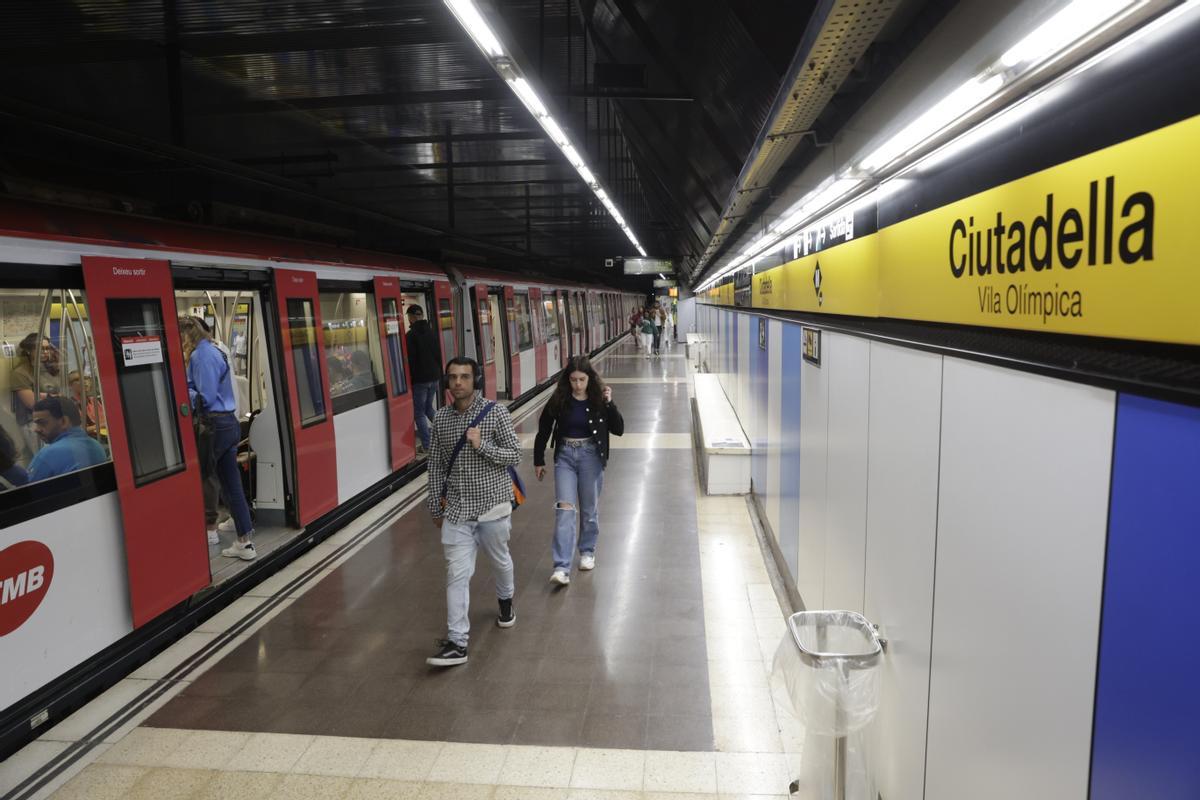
<point x="812" y="346"/>
<point x="393" y="327"/>
<point x="138" y="351"/>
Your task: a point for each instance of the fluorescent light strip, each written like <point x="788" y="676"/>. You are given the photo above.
<point x="1077" y="22"/>
<point x="488" y="43"/>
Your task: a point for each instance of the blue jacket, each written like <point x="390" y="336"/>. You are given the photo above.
<point x="72" y="450"/>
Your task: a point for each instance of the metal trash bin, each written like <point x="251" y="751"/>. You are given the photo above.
<point x="828" y="661"/>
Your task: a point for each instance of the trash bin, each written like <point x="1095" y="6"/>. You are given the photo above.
<point x="829" y="663"/>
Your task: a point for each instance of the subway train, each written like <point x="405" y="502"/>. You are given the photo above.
<point x="101" y="565"/>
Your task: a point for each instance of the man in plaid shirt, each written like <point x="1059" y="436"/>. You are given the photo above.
<point x="471" y="501"/>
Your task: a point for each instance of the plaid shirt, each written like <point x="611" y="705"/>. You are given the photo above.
<point x="479" y="480"/>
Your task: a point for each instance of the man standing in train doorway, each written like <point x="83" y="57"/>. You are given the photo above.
<point x="470" y="498"/>
<point x="425" y="368"/>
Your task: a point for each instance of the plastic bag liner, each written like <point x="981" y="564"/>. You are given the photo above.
<point x="828" y="661"/>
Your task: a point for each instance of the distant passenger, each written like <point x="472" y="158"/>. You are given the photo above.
<point x="68" y="447"/>
<point x="210" y="387"/>
<point x="648" y="330"/>
<point x="659" y="316"/>
<point x="424" y="366"/>
<point x="92" y="411"/>
<point x="33" y="378"/>
<point x="576" y="421"/>
<point x="12" y="474"/>
<point x="470" y="499"/>
<point x="635" y="325"/>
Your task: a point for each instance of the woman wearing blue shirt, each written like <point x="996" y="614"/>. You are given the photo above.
<point x="210" y="387"/>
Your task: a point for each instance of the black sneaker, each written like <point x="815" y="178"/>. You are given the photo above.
<point x="507" y="617"/>
<point x="449" y="654"/>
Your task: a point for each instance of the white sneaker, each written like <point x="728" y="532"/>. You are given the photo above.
<point x="560" y="577"/>
<point x="228" y="526"/>
<point x="245" y="552"/>
<point x="213" y="538"/>
<point x="587" y="561"/>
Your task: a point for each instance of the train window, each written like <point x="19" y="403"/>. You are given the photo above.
<point x="551" y="319"/>
<point x="395" y="355"/>
<point x="446" y="329"/>
<point x="47" y="354"/>
<point x="352" y="348"/>
<point x="524" y="322"/>
<point x="485" y="332"/>
<point x="302" y="341"/>
<point x="147" y="397"/>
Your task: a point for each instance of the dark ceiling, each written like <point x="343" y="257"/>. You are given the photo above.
<point x="377" y="123"/>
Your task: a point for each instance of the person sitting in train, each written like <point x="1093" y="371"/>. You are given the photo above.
<point x="92" y="411"/>
<point x="423" y="364"/>
<point x="68" y="448"/>
<point x="362" y="376"/>
<point x="210" y="387"/>
<point x="12" y="474"/>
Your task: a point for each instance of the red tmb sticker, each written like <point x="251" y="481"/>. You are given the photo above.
<point x="26" y="569"/>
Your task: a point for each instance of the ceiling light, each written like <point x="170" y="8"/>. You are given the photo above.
<point x="1064" y="28"/>
<point x="473" y="22"/>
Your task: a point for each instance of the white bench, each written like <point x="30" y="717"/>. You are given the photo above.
<point x="722" y="447"/>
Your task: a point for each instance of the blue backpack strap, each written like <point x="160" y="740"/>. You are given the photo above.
<point x="461" y="441"/>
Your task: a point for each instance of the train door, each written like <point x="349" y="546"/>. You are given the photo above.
<point x="541" y="344"/>
<point x="303" y="343"/>
<point x="566" y="345"/>
<point x="235" y="319"/>
<point x="485" y="344"/>
<point x="499" y="351"/>
<point x="514" y="342"/>
<point x="445" y="324"/>
<point x="389" y="306"/>
<point x="149" y="418"/>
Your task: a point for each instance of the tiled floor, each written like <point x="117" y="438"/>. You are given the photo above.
<point x="648" y="678"/>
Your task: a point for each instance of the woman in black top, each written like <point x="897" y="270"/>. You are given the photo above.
<point x="576" y="421"/>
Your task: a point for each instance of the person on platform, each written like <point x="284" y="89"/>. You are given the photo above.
<point x="423" y="365"/>
<point x="647" y="331"/>
<point x="470" y="499"/>
<point x="68" y="448"/>
<point x="576" y="421"/>
<point x="210" y="387"/>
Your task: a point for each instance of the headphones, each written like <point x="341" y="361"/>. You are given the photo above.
<point x="476" y="371"/>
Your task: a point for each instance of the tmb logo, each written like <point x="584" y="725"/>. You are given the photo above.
<point x="26" y="569"/>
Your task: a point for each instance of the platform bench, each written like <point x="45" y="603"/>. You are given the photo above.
<point x="722" y="449"/>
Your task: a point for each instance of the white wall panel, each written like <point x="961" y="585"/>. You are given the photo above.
<point x="814" y="439"/>
<point x="902" y="476"/>
<point x="774" y="410"/>
<point x="848" y="362"/>
<point x="363" y="448"/>
<point x="86" y="604"/>
<point x="1020" y="556"/>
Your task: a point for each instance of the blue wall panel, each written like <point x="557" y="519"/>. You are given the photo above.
<point x="1147" y="725"/>
<point x="789" y="461"/>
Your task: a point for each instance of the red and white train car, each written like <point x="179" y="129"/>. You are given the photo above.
<point x="89" y="303"/>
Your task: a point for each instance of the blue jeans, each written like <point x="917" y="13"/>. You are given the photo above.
<point x="424" y="395"/>
<point x="578" y="479"/>
<point x="225" y="435"/>
<point x="460" y="542"/>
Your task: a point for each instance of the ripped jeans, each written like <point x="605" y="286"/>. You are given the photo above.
<point x="578" y="479"/>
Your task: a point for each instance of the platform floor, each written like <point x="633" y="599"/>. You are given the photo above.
<point x="648" y="675"/>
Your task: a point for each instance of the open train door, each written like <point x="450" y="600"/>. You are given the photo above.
<point x="389" y="305"/>
<point x="311" y="410"/>
<point x="144" y="384"/>
<point x="566" y="347"/>
<point x="541" y="343"/>
<point x="485" y="343"/>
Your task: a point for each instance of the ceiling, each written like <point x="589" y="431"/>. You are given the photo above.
<point x="376" y="123"/>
